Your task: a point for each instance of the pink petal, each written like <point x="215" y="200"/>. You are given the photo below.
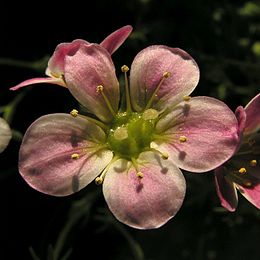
<point x="226" y="190"/>
<point x="45" y="156"/>
<point x="253" y="115"/>
<point x="241" y="118"/>
<point x="88" y="68"/>
<point x="147" y="70"/>
<point x="252" y="194"/>
<point x="210" y="128"/>
<point x="5" y="134"/>
<point x="57" y="60"/>
<point x="115" y="39"/>
<point x="49" y="80"/>
<point x="148" y="202"/>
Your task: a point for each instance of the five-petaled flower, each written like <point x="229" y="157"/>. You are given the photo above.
<point x="5" y="134"/>
<point x="135" y="146"/>
<point x="242" y="171"/>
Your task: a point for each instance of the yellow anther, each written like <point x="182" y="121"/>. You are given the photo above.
<point x="150" y="114"/>
<point x="182" y="138"/>
<point x="75" y="156"/>
<point x="74" y="112"/>
<point x="165" y="156"/>
<point x="99" y="88"/>
<point x="121" y="133"/>
<point x="186" y="98"/>
<point x="166" y="74"/>
<point x="99" y="180"/>
<point x="253" y="163"/>
<point x="140" y="175"/>
<point x="242" y="170"/>
<point x="124" y="68"/>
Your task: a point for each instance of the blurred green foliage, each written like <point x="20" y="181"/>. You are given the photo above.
<point x="222" y="36"/>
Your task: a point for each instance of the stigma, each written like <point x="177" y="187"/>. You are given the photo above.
<point x="150" y="114"/>
<point x="121" y="133"/>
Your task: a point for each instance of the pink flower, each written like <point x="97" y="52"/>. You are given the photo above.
<point x="5" y="134"/>
<point x="55" y="69"/>
<point x="242" y="171"/>
<point x="135" y="146"/>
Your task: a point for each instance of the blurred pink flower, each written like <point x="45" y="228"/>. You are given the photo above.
<point x="55" y="69"/>
<point x="5" y="134"/>
<point x="242" y="171"/>
<point x="136" y="150"/>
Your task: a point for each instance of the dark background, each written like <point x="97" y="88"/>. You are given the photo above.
<point x="222" y="36"/>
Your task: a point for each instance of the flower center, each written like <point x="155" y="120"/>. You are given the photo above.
<point x="132" y="133"/>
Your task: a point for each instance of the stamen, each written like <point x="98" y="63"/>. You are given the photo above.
<point x="100" y="179"/>
<point x="253" y="163"/>
<point x="164" y="76"/>
<point x="121" y="133"/>
<point x="75" y="156"/>
<point x="74" y="112"/>
<point x="183" y="139"/>
<point x="139" y="174"/>
<point x="150" y="114"/>
<point x="100" y="89"/>
<point x="125" y="69"/>
<point x="164" y="155"/>
<point x="242" y="170"/>
<point x="186" y="98"/>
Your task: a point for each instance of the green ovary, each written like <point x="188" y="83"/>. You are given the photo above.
<point x="130" y="135"/>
